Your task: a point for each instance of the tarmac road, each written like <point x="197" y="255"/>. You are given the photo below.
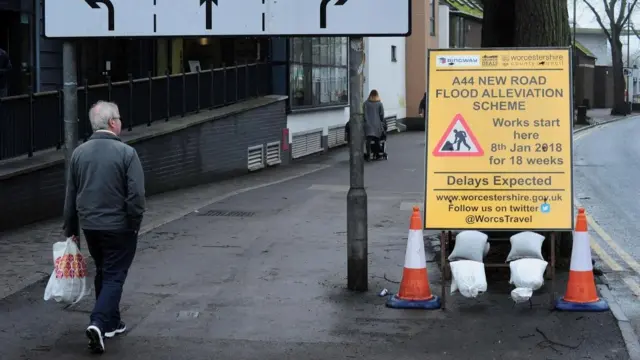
<point x="262" y="275"/>
<point x="607" y="185"/>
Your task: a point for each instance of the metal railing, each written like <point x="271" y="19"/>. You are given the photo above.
<point x="34" y="122"/>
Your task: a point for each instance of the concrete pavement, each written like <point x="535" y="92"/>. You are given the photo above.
<point x="31" y="246"/>
<point x="262" y="275"/>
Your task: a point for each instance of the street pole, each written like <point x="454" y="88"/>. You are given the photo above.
<point x="357" y="241"/>
<point x="629" y="58"/>
<point x="573" y="40"/>
<point x="70" y="94"/>
<point x="574" y="53"/>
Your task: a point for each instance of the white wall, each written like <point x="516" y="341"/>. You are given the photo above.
<point x="386" y="76"/>
<point x="598" y="45"/>
<point x="443" y="26"/>
<point x="306" y="121"/>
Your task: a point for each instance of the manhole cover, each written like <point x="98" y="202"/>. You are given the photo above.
<point x="228" y="213"/>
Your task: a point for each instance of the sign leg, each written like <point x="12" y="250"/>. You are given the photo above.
<point x="444" y="266"/>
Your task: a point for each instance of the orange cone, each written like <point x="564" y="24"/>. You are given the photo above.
<point x="415" y="292"/>
<point x="581" y="292"/>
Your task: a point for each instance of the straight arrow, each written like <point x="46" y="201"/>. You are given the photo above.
<point x="323" y="11"/>
<point x="110" y="10"/>
<point x="209" y="11"/>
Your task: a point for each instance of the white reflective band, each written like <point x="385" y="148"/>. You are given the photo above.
<point x="581" y="252"/>
<point x="415" y="258"/>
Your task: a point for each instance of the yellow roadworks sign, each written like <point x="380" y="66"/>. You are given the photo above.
<point x="499" y="136"/>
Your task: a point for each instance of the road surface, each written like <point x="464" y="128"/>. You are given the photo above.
<point x="262" y="275"/>
<point x="607" y="185"/>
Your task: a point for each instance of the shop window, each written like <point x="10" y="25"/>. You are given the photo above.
<point x="318" y="72"/>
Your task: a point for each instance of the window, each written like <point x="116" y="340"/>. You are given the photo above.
<point x="432" y="17"/>
<point x="393" y="54"/>
<point x="318" y="74"/>
<point x="457" y="33"/>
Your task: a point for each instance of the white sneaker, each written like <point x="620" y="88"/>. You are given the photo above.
<point x="119" y="330"/>
<point x="96" y="342"/>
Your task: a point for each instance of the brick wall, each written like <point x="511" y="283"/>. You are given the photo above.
<point x="204" y="152"/>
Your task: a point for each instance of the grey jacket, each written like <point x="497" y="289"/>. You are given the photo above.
<point x="105" y="190"/>
<point x="373" y="118"/>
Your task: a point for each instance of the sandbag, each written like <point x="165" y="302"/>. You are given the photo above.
<point x="527" y="275"/>
<point x="526" y="245"/>
<point x="468" y="278"/>
<point x="470" y="245"/>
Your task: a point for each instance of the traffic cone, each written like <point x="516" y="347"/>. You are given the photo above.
<point x="415" y="292"/>
<point x="581" y="292"/>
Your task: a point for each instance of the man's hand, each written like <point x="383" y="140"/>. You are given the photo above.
<point x="76" y="239"/>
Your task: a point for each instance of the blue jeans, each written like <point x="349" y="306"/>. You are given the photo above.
<point x="113" y="253"/>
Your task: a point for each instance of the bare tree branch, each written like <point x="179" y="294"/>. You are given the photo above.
<point x="621" y="11"/>
<point x="631" y="7"/>
<point x="598" y="18"/>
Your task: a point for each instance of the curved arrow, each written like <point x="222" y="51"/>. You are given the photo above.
<point x="323" y="11"/>
<point x="110" y="10"/>
<point x="209" y="11"/>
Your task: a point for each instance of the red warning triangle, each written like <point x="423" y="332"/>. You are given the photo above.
<point x="458" y="140"/>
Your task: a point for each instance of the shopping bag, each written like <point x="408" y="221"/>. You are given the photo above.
<point x="68" y="281"/>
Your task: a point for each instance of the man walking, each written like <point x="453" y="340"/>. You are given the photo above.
<point x="106" y="197"/>
<point x="5" y="67"/>
<point x="422" y="108"/>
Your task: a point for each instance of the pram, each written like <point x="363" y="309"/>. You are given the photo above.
<point x="378" y="147"/>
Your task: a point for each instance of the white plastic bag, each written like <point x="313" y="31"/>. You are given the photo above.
<point x="527" y="275"/>
<point x="468" y="278"/>
<point x="520" y="295"/>
<point x="68" y="281"/>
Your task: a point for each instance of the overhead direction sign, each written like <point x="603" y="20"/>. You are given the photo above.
<point x="173" y="18"/>
<point x="458" y="140"/>
<point x="499" y="154"/>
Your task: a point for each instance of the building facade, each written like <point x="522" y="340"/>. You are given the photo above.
<point x="314" y="73"/>
<point x="424" y="36"/>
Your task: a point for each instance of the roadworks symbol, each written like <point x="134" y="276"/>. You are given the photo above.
<point x="458" y="140"/>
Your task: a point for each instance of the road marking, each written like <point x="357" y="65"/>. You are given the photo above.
<point x="604" y="236"/>
<point x="604" y="256"/>
<point x="633" y="285"/>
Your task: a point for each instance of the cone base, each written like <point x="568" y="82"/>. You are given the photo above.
<point x="596" y="306"/>
<point x="395" y="302"/>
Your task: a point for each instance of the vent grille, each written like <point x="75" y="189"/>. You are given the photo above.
<point x="307" y="143"/>
<point x="336" y="136"/>
<point x="255" y="158"/>
<point x="273" y="153"/>
<point x="392" y="123"/>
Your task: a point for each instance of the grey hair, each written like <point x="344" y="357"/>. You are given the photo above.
<point x="100" y="114"/>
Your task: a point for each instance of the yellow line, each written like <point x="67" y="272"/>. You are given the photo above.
<point x="623" y="254"/>
<point x="604" y="256"/>
<point x="633" y="285"/>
